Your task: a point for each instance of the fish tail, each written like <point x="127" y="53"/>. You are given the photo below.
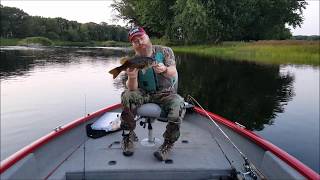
<point x="115" y="72"/>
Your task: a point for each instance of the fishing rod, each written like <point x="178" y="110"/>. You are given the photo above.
<point x="249" y="168"/>
<point x="84" y="141"/>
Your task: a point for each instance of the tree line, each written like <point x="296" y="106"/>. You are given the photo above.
<point x="308" y="38"/>
<point x="15" y="23"/>
<point x="210" y="21"/>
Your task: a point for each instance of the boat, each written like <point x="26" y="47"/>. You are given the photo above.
<point x="210" y="147"/>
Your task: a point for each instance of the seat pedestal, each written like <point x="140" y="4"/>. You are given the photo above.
<point x="150" y="140"/>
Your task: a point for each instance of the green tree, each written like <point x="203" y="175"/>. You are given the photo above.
<point x="194" y="29"/>
<point x="192" y="21"/>
<point x="14" y="22"/>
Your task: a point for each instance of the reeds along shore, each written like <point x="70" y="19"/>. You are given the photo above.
<point x="273" y="51"/>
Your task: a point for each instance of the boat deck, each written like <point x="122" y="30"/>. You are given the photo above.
<point x="196" y="155"/>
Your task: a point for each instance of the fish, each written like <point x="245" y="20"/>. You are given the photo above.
<point x="138" y="62"/>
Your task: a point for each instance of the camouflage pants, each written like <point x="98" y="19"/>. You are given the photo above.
<point x="171" y="103"/>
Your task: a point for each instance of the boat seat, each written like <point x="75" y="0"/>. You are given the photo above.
<point x="154" y="111"/>
<point x="151" y="112"/>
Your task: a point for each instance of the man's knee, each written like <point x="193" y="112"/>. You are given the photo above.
<point x="132" y="98"/>
<point x="176" y="109"/>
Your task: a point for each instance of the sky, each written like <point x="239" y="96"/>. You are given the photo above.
<point x="98" y="11"/>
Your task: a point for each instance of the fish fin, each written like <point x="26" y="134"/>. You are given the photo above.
<point x="123" y="60"/>
<point x="115" y="72"/>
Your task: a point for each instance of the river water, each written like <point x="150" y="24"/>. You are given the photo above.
<point x="42" y="88"/>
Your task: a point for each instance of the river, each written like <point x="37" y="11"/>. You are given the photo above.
<point x="42" y="88"/>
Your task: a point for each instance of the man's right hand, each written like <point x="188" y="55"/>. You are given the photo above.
<point x="132" y="82"/>
<point x="132" y="73"/>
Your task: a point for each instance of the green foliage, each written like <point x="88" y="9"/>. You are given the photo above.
<point x="212" y="21"/>
<point x="35" y="41"/>
<point x="8" y="42"/>
<point x="72" y="43"/>
<point x="308" y="38"/>
<point x="191" y="30"/>
<point x="163" y="41"/>
<point x="14" y="22"/>
<point x="114" y="44"/>
<point x="17" y="24"/>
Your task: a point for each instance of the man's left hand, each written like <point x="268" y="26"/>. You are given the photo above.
<point x="160" y="68"/>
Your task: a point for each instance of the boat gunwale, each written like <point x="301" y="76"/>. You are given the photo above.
<point x="17" y="156"/>
<point x="290" y="160"/>
<point x="266" y="145"/>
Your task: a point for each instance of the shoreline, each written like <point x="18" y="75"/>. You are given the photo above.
<point x="299" y="52"/>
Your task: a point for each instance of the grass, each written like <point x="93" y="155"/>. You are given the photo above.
<point x="71" y="43"/>
<point x="274" y="52"/>
<point x="113" y="44"/>
<point x="92" y="43"/>
<point x="42" y="41"/>
<point x="9" y="42"/>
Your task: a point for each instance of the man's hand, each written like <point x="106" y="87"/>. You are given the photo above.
<point x="160" y="68"/>
<point x="132" y="82"/>
<point x="132" y="73"/>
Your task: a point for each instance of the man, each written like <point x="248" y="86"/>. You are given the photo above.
<point x="156" y="85"/>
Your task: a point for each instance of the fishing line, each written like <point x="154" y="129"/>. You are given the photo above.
<point x="249" y="167"/>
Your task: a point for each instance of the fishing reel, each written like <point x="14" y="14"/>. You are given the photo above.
<point x="250" y="172"/>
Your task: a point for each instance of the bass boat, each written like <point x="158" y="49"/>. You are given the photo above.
<point x="210" y="147"/>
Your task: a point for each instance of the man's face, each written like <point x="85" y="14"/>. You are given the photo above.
<point x="141" y="43"/>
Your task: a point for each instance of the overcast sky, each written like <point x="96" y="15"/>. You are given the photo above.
<point x="100" y="11"/>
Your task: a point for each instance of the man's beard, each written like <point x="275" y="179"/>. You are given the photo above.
<point x="145" y="50"/>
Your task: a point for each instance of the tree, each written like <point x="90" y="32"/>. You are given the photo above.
<point x="191" y="30"/>
<point x="17" y="24"/>
<point x="193" y="21"/>
<point x="14" y="22"/>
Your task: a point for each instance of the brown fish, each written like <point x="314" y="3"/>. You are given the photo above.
<point x="132" y="62"/>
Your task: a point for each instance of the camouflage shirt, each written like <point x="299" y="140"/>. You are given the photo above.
<point x="167" y="52"/>
<point x="164" y="83"/>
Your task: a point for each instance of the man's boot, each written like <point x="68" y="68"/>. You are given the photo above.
<point x="127" y="143"/>
<point x="128" y="136"/>
<point x="162" y="153"/>
<point x="171" y="135"/>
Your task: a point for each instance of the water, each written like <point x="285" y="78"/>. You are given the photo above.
<point x="44" y="88"/>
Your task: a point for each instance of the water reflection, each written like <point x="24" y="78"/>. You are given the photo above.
<point x="251" y="94"/>
<point x="21" y="61"/>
